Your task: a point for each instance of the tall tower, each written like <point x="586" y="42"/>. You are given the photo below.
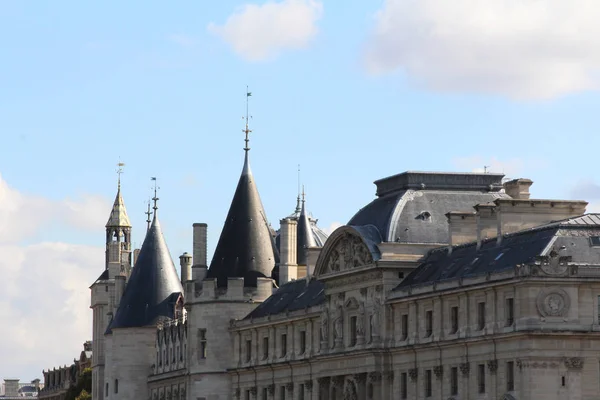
<point x="108" y="288"/>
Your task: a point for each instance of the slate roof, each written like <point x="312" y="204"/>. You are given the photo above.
<point x="304" y="237"/>
<point x="153" y="288"/>
<point x="118" y="214"/>
<point x="407" y="211"/>
<point x="246" y="248"/>
<point x="517" y="248"/>
<point x="293" y="296"/>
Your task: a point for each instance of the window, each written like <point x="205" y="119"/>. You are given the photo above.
<point x="428" y="383"/>
<point x="106" y="288"/>
<point x="510" y="376"/>
<point x="116" y="386"/>
<point x="353" y="331"/>
<point x="599" y="309"/>
<point x="510" y="311"/>
<point x="301" y="392"/>
<point x="248" y="350"/>
<point x="302" y="342"/>
<point x="106" y="391"/>
<point x="454" y="381"/>
<point x="166" y="357"/>
<point x="428" y="323"/>
<point x="595" y="240"/>
<point x="265" y="347"/>
<point x="247" y="395"/>
<point x="404" y="326"/>
<point x="481" y="378"/>
<point x="403" y="386"/>
<point x="400" y="275"/>
<point x="202" y="334"/>
<point x="282" y="392"/>
<point x="481" y="316"/>
<point x="454" y="319"/>
<point x="265" y="393"/>
<point x="283" y="345"/>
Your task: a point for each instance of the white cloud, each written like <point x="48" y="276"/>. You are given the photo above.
<point x="261" y="32"/>
<point x="45" y="292"/>
<point x="525" y="49"/>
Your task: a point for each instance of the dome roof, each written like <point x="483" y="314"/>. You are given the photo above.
<point x="411" y="207"/>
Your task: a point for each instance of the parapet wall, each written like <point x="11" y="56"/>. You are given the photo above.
<point x="235" y="290"/>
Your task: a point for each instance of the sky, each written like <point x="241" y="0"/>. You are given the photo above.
<point x="351" y="91"/>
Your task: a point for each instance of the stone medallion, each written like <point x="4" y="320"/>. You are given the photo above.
<point x="553" y="302"/>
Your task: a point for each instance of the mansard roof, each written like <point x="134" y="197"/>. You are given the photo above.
<point x="118" y="214"/>
<point x="294" y="295"/>
<point x="411" y="207"/>
<point x="577" y="238"/>
<point x="246" y="248"/>
<point x="153" y="288"/>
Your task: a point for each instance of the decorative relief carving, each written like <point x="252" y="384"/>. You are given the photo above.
<point x="350" y="392"/>
<point x="351" y="280"/>
<point x="253" y="390"/>
<point x="360" y="378"/>
<point x="325" y="325"/>
<point x="308" y="385"/>
<point x="289" y="386"/>
<point x="182" y="393"/>
<point x="438" y="370"/>
<point x="374" y="376"/>
<point x="465" y="368"/>
<point x="338" y="381"/>
<point x="350" y="252"/>
<point x="553" y="263"/>
<point x="553" y="302"/>
<point x="323" y="381"/>
<point x="236" y="393"/>
<point x="544" y="363"/>
<point x="389" y="375"/>
<point x="413" y="373"/>
<point x="492" y="366"/>
<point x="333" y="265"/>
<point x="338" y="324"/>
<point x="376" y="319"/>
<point x="360" y="321"/>
<point x="271" y="388"/>
<point x="574" y="363"/>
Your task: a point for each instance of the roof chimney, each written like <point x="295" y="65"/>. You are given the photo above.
<point x="518" y="188"/>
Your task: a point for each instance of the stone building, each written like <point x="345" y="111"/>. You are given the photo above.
<point x="445" y="286"/>
<point x="14" y="389"/>
<point x="58" y="380"/>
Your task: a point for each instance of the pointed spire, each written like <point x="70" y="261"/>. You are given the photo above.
<point x="245" y="248"/>
<point x="304" y="235"/>
<point x="154" y="286"/>
<point x="155" y="198"/>
<point x="118" y="214"/>
<point x="148" y="220"/>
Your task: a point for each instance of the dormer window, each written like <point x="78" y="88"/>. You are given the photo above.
<point x="595" y="241"/>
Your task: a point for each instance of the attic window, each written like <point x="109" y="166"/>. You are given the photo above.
<point x="595" y="241"/>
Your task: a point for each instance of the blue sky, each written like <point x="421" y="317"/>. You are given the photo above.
<point x="353" y="91"/>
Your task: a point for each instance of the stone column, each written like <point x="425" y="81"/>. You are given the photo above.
<point x="413" y="322"/>
<point x="375" y="380"/>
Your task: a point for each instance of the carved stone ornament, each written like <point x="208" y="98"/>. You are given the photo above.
<point x="289" y="386"/>
<point x="350" y="252"/>
<point x="351" y="280"/>
<point x="175" y="394"/>
<point x="323" y="381"/>
<point x="374" y="376"/>
<point x="492" y="366"/>
<point x="308" y="385"/>
<point x="271" y="388"/>
<point x="553" y="263"/>
<point x="438" y="370"/>
<point x="162" y="396"/>
<point x="574" y="363"/>
<point x="182" y="393"/>
<point x="253" y="390"/>
<point x="465" y="368"/>
<point x="360" y="378"/>
<point x="413" y="373"/>
<point x="350" y="392"/>
<point x="553" y="302"/>
<point x="389" y="375"/>
<point x="338" y="381"/>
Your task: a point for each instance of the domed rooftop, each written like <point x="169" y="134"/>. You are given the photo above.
<point x="411" y="207"/>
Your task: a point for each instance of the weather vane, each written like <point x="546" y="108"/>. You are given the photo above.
<point x="247" y="118"/>
<point x="120" y="166"/>
<point x="155" y="198"/>
<point x="485" y="169"/>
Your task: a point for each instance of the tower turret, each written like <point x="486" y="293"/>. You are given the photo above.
<point x="118" y="235"/>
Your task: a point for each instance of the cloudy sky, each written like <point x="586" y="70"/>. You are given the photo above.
<point x="351" y="90"/>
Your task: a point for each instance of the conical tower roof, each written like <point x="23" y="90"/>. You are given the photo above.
<point x="245" y="248"/>
<point x="304" y="236"/>
<point x="118" y="214"/>
<point x="153" y="288"/>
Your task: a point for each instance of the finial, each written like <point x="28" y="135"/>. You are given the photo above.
<point x="155" y="198"/>
<point x="247" y="129"/>
<point x="303" y="194"/>
<point x="148" y="216"/>
<point x="298" y="197"/>
<point x="120" y="166"/>
<point x="485" y="169"/>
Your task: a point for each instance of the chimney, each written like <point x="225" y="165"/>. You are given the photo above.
<point x="462" y="227"/>
<point x="288" y="270"/>
<point x="486" y="222"/>
<point x="200" y="266"/>
<point x="185" y="262"/>
<point x="11" y="387"/>
<point x="518" y="189"/>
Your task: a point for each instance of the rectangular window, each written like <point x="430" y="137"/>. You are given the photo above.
<point x="428" y="383"/>
<point x="265" y="348"/>
<point x="302" y="342"/>
<point x="454" y="320"/>
<point x="282" y="392"/>
<point x="404" y="326"/>
<point x="283" y="345"/>
<point x="599" y="309"/>
<point x="202" y="335"/>
<point x="510" y="311"/>
<point x="454" y="381"/>
<point x="428" y="323"/>
<point x="510" y="376"/>
<point x="481" y="316"/>
<point x="265" y="394"/>
<point x="481" y="378"/>
<point x="116" y="386"/>
<point x="301" y="392"/>
<point x="247" y="395"/>
<point x="403" y="385"/>
<point x="353" y="331"/>
<point x="248" y="350"/>
<point x="595" y="241"/>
